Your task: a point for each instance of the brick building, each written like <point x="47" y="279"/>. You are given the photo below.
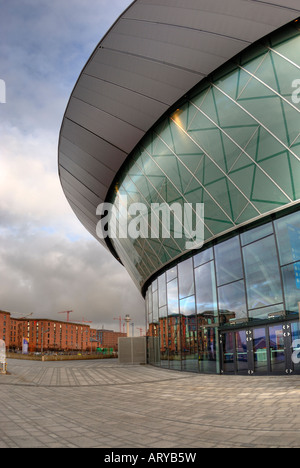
<point x="54" y="335"/>
<point x="109" y="338"/>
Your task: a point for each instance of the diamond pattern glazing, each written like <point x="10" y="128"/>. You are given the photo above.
<point x="234" y="145"/>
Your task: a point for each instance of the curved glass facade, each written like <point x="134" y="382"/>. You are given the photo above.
<point x="232" y="307"/>
<point x="234" y="145"/>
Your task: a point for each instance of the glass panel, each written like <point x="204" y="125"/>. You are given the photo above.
<point x="174" y="332"/>
<point x="163" y="325"/>
<point x="162" y="291"/>
<point x="232" y="302"/>
<point x="172" y="291"/>
<point x="257" y="233"/>
<point x="228" y="352"/>
<point x="174" y="340"/>
<point x="206" y="294"/>
<point x="189" y="334"/>
<point x="277" y="352"/>
<point x="260" y="351"/>
<point x="241" y="351"/>
<point x="186" y="278"/>
<point x="291" y="282"/>
<point x="296" y="346"/>
<point x="155" y="307"/>
<point x="267" y="312"/>
<point x="203" y="257"/>
<point x="171" y="274"/>
<point x="228" y="261"/>
<point x="262" y="273"/>
<point x="208" y="349"/>
<point x="288" y="237"/>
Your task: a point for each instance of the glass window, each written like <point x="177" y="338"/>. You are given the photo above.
<point x="174" y="330"/>
<point x="232" y="302"/>
<point x="203" y="257"/>
<point x="187" y="306"/>
<point x="172" y="273"/>
<point x="186" y="278"/>
<point x="155" y="307"/>
<point x="189" y="351"/>
<point x="162" y="291"/>
<point x="208" y="349"/>
<point x="262" y="273"/>
<point x="172" y="291"/>
<point x="228" y="261"/>
<point x="288" y="238"/>
<point x="291" y="282"/>
<point x="228" y="352"/>
<point x="267" y="312"/>
<point x="260" y="351"/>
<point x="241" y="351"/>
<point x="206" y="294"/>
<point x="163" y="326"/>
<point x="256" y="234"/>
<point x="277" y="351"/>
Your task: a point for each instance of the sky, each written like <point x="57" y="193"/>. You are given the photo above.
<point x="48" y="261"/>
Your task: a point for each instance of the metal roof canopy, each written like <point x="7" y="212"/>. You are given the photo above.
<point x="152" y="56"/>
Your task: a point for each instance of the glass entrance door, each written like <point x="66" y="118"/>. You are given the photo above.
<point x="260" y="351"/>
<point x="271" y="349"/>
<point x="236" y="352"/>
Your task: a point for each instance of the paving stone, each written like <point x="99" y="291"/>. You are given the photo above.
<point x="104" y="404"/>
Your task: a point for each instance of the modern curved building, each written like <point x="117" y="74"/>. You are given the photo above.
<point x="197" y="101"/>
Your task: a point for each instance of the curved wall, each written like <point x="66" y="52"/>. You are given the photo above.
<point x="248" y="284"/>
<point x="155" y="52"/>
<point x="233" y="144"/>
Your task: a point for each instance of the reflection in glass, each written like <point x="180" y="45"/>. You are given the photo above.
<point x="277" y="352"/>
<point x="208" y="349"/>
<point x="189" y="334"/>
<point x="241" y="351"/>
<point x="260" y="351"/>
<point x="232" y="302"/>
<point x="174" y="334"/>
<point x="172" y="273"/>
<point x="228" y="352"/>
<point x="174" y="339"/>
<point x="269" y="312"/>
<point x="288" y="238"/>
<point x="186" y="278"/>
<point x="228" y="261"/>
<point x="203" y="257"/>
<point x="162" y="293"/>
<point x="206" y="294"/>
<point x="291" y="282"/>
<point x="256" y="233"/>
<point x="163" y="325"/>
<point x="262" y="273"/>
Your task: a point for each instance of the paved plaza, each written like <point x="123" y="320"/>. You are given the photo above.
<point x="100" y="403"/>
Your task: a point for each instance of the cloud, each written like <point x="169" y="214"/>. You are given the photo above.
<point x="48" y="261"/>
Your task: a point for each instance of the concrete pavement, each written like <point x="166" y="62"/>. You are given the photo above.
<point x="103" y="404"/>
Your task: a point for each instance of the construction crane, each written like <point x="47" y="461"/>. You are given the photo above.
<point x="68" y="312"/>
<point x="20" y="316"/>
<point x="86" y="321"/>
<point x="120" y="321"/>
